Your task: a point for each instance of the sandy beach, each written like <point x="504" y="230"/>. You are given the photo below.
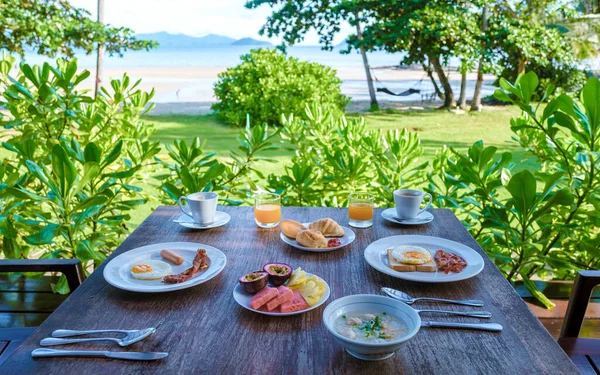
<point x="189" y="89"/>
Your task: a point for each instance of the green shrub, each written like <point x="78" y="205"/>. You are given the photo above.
<point x="68" y="184"/>
<point x="268" y="84"/>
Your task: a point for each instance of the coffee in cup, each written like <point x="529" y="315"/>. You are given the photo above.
<point x="408" y="203"/>
<point x="201" y="207"/>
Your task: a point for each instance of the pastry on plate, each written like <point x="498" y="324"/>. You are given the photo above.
<point x="311" y="238"/>
<point x="328" y="227"/>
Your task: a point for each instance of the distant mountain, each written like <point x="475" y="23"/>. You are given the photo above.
<point x="166" y="40"/>
<point x="251" y="42"/>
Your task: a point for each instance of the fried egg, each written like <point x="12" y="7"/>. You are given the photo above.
<point x="409" y="254"/>
<point x="150" y="270"/>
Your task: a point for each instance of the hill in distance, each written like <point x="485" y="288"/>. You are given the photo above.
<point x="166" y="40"/>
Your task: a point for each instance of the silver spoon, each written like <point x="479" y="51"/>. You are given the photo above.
<point x="403" y="297"/>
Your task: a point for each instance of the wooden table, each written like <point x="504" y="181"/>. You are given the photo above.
<point x="205" y="331"/>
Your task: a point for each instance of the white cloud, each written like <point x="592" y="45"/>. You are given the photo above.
<point x="192" y="17"/>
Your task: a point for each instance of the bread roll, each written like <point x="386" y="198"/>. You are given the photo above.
<point x="328" y="227"/>
<point x="311" y="238"/>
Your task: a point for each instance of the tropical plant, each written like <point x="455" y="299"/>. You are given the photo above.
<point x="190" y="170"/>
<point x="69" y="182"/>
<point x="267" y="84"/>
<point x="55" y="27"/>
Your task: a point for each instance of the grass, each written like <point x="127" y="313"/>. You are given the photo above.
<point x="435" y="127"/>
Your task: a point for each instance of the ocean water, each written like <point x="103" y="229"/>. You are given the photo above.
<point x="200" y="89"/>
<point x="224" y="56"/>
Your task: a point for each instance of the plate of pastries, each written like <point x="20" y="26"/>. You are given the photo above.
<point x="319" y="236"/>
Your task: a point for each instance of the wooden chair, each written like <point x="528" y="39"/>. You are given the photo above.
<point x="11" y="338"/>
<point x="585" y="353"/>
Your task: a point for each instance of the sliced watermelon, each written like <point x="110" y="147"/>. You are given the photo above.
<point x="263" y="296"/>
<point x="285" y="295"/>
<point x="296" y="304"/>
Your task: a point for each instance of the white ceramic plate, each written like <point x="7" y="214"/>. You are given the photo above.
<point x="243" y="299"/>
<point x="221" y="218"/>
<point x="376" y="256"/>
<point x="345" y="240"/>
<point x="117" y="273"/>
<point x="390" y="215"/>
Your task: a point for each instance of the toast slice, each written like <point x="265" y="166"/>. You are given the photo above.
<point x="400" y="267"/>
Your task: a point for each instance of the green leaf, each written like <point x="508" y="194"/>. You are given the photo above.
<point x="63" y="169"/>
<point x="590" y="97"/>
<point x="62" y="286"/>
<point x="522" y="188"/>
<point x="91" y="169"/>
<point x="92" y="153"/>
<point x="96" y="200"/>
<point x="45" y="236"/>
<point x="113" y="155"/>
<point x="536" y="293"/>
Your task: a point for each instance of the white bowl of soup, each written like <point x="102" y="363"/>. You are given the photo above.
<point x="371" y="327"/>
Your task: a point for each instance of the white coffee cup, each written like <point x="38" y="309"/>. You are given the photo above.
<point x="408" y="203"/>
<point x="202" y="206"/>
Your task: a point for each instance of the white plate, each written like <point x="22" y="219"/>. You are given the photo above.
<point x="390" y="215"/>
<point x="345" y="240"/>
<point x="221" y="218"/>
<point x="243" y="299"/>
<point x="117" y="273"/>
<point x="376" y="256"/>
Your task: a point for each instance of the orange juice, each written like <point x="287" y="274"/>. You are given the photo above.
<point x="360" y="211"/>
<point x="267" y="213"/>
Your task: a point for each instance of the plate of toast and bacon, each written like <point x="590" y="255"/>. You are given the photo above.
<point x="424" y="258"/>
<point x="164" y="267"/>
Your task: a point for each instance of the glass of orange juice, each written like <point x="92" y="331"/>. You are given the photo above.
<point x="360" y="210"/>
<point x="267" y="210"/>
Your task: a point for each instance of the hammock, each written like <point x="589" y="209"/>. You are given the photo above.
<point x="403" y="93"/>
<point x="408" y="92"/>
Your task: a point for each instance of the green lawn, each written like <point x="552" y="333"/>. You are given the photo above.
<point x="435" y="129"/>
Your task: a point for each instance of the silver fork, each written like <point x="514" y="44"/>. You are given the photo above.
<point x="131" y="336"/>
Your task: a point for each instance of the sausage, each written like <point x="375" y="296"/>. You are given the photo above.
<point x="171" y="257"/>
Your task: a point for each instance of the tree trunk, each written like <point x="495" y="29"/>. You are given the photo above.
<point x="449" y="101"/>
<point x="363" y="53"/>
<point x="522" y="64"/>
<point x="462" y="99"/>
<point x="100" y="56"/>
<point x="427" y="69"/>
<point x="476" y="102"/>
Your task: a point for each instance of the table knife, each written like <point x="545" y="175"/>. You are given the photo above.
<point x="492" y="327"/>
<point x="133" y="356"/>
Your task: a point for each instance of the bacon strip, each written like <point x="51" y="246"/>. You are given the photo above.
<point x="200" y="263"/>
<point x="449" y="262"/>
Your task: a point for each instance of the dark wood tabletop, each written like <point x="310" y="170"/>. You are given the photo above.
<point x="206" y="331"/>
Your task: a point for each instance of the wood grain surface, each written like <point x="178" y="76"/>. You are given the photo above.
<point x="205" y="331"/>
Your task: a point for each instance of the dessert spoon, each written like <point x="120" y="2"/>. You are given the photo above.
<point x="403" y="297"/>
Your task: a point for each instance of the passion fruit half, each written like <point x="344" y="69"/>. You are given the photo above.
<point x="278" y="272"/>
<point x="254" y="282"/>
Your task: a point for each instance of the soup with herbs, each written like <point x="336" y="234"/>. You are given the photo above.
<point x="372" y="328"/>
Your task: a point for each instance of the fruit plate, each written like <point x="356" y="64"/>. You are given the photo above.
<point x="345" y="240"/>
<point x="243" y="299"/>
<point x="117" y="274"/>
<point x="376" y="256"/>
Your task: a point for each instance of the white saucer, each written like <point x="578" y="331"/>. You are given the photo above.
<point x="221" y="218"/>
<point x="390" y="215"/>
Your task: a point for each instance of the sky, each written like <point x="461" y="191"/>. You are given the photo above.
<point x="192" y="17"/>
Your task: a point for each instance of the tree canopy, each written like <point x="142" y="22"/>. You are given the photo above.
<point x="55" y="27"/>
